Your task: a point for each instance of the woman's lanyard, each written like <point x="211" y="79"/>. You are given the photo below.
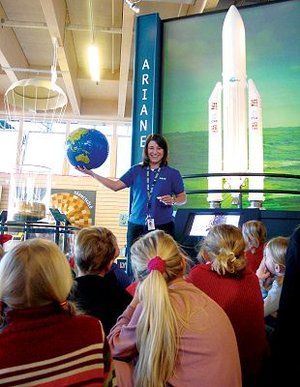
<point x="150" y="188"/>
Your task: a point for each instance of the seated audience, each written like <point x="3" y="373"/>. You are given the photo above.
<point x="255" y="234"/>
<point x="96" y="292"/>
<point x="172" y="334"/>
<point x="42" y="339"/>
<point x="271" y="273"/>
<point x="226" y="278"/>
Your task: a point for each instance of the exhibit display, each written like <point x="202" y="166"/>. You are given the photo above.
<point x="29" y="193"/>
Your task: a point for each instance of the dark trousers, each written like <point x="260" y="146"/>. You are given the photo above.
<point x="134" y="231"/>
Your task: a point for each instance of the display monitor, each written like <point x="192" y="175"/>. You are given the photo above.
<point x="193" y="224"/>
<point x="200" y="224"/>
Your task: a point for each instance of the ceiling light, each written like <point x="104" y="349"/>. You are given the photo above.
<point x="94" y="64"/>
<point x="93" y="52"/>
<point x="133" y="5"/>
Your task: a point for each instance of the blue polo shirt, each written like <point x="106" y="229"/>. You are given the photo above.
<point x="169" y="182"/>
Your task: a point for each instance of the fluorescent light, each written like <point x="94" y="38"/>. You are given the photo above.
<point x="94" y="63"/>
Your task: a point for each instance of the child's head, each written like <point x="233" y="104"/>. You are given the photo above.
<point x="156" y="260"/>
<point x="153" y="245"/>
<point x="224" y="247"/>
<point x="274" y="254"/>
<point x="95" y="250"/>
<point x="34" y="273"/>
<point x="254" y="233"/>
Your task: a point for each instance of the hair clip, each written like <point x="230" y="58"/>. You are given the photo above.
<point x="233" y="256"/>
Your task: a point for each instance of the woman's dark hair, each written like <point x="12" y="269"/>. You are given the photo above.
<point x="161" y="142"/>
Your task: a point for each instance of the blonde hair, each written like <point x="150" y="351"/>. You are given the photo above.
<point x="34" y="273"/>
<point x="277" y="248"/>
<point x="224" y="246"/>
<point x="254" y="233"/>
<point x="95" y="248"/>
<point x="157" y="330"/>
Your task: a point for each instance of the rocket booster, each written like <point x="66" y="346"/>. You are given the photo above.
<point x="233" y="104"/>
<point x="256" y="154"/>
<point x="215" y="159"/>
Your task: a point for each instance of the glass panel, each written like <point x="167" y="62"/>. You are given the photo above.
<point x="46" y="149"/>
<point x="35" y="127"/>
<point x="9" y="142"/>
<point x="8" y="151"/>
<point x="123" y="155"/>
<point x="123" y="162"/>
<point x="45" y="145"/>
<point x="124" y="130"/>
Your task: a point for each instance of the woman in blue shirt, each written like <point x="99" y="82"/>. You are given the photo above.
<point x="155" y="189"/>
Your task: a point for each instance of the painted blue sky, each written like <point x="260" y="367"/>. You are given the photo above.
<point x="192" y="65"/>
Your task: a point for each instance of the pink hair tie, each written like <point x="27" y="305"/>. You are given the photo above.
<point x="64" y="305"/>
<point x="157" y="263"/>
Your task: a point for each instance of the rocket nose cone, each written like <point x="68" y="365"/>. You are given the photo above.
<point x="232" y="14"/>
<point x="233" y="9"/>
<point x="233" y="23"/>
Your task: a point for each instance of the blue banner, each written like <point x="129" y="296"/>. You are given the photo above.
<point x="146" y="92"/>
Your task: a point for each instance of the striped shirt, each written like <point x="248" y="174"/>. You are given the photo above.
<point x="45" y="347"/>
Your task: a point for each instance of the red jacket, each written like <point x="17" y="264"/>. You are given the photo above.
<point x="52" y="348"/>
<point x="254" y="258"/>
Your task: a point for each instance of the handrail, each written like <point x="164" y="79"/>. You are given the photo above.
<point x="216" y="174"/>
<point x="241" y="190"/>
<point x="203" y="191"/>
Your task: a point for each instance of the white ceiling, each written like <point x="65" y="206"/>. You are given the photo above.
<point x="28" y="27"/>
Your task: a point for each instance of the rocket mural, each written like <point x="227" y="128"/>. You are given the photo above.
<point x="235" y="141"/>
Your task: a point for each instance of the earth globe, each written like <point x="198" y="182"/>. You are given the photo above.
<point x="87" y="148"/>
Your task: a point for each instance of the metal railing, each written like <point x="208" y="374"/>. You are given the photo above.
<point x="244" y="190"/>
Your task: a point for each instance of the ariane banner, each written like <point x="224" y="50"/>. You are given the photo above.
<point x="145" y="118"/>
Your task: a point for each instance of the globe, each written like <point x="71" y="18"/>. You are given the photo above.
<point x="87" y="148"/>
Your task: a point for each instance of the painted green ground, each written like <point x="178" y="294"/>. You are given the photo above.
<point x="188" y="153"/>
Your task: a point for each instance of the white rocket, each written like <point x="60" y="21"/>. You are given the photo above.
<point x="235" y="117"/>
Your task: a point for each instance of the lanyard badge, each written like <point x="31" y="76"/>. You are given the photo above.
<point x="150" y="223"/>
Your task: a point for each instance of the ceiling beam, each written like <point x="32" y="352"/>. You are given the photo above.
<point x="198" y="7"/>
<point x="211" y="4"/>
<point x="126" y="48"/>
<point x="11" y="53"/>
<point x="55" y="16"/>
<point x="4" y="23"/>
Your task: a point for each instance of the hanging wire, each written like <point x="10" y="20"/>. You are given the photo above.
<point x="92" y="21"/>
<point x="113" y="37"/>
<point x="54" y="63"/>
